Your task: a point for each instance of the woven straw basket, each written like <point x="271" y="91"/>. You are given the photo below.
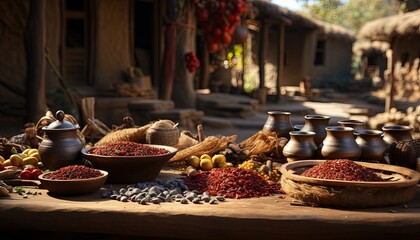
<point x="163" y="132"/>
<point x="400" y="188"/>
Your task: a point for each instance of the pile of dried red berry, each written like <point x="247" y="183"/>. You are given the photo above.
<point x="123" y="148"/>
<point x="342" y="169"/>
<point x="73" y="172"/>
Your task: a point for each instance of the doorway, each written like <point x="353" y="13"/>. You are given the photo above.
<point x="146" y="39"/>
<point x="76" y="42"/>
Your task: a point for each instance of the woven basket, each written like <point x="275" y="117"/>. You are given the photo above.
<point x="163" y="132"/>
<point x="399" y="189"/>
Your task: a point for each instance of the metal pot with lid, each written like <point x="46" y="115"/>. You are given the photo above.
<point x="61" y="145"/>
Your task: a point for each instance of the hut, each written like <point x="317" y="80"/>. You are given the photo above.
<point x="329" y="56"/>
<point x="371" y="60"/>
<point x="55" y="53"/>
<point x="402" y="32"/>
<point x="305" y="49"/>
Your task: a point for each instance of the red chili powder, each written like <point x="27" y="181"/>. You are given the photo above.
<point x="231" y="183"/>
<point x="74" y="172"/>
<point x="342" y="169"/>
<point x="124" y="148"/>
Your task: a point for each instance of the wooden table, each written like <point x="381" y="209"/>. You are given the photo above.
<point x="89" y="216"/>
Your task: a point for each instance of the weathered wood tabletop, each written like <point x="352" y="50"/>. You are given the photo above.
<point x="258" y="218"/>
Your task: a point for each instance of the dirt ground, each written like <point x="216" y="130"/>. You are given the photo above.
<point x="338" y="107"/>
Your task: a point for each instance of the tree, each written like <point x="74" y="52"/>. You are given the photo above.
<point x="352" y="13"/>
<point x="325" y="10"/>
<point x="359" y="12"/>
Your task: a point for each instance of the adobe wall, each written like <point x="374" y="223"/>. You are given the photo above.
<point x="13" y="66"/>
<point x="113" y="51"/>
<point x="295" y="58"/>
<point x="337" y="67"/>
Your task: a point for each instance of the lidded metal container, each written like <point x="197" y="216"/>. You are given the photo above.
<point x="61" y="145"/>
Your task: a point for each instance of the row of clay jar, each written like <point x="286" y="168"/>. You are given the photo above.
<point x="317" y="139"/>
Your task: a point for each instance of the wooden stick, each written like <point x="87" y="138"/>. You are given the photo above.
<point x="200" y="132"/>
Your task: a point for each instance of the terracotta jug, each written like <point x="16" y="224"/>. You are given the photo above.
<point x="355" y="124"/>
<point x="300" y="146"/>
<point x="340" y="144"/>
<point x="395" y="133"/>
<point x="317" y="124"/>
<point x="61" y="146"/>
<point x="278" y="122"/>
<point x="371" y="145"/>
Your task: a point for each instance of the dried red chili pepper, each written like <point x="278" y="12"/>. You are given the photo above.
<point x="231" y="183"/>
<point x="124" y="148"/>
<point x="342" y="169"/>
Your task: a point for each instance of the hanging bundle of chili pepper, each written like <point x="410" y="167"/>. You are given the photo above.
<point x="218" y="19"/>
<point x="191" y="61"/>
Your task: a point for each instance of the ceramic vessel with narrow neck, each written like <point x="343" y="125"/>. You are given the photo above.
<point x="395" y="133"/>
<point x="317" y="124"/>
<point x="340" y="144"/>
<point x="300" y="146"/>
<point x="371" y="145"/>
<point x="355" y="124"/>
<point x="279" y="122"/>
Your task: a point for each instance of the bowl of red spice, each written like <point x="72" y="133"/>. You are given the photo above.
<point x="73" y="180"/>
<point x="343" y="183"/>
<point x="129" y="162"/>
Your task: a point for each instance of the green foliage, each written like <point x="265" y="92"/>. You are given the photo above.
<point x="352" y="13"/>
<point x="325" y="10"/>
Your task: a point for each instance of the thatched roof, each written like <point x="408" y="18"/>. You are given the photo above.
<point x="275" y="12"/>
<point x="385" y="29"/>
<point x="298" y="21"/>
<point x="335" y="31"/>
<point x="370" y="47"/>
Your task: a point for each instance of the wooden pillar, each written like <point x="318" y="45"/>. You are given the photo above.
<point x="280" y="60"/>
<point x="263" y="45"/>
<point x="205" y="66"/>
<point x="35" y="41"/>
<point x="156" y="44"/>
<point x="169" y="61"/>
<point x="389" y="84"/>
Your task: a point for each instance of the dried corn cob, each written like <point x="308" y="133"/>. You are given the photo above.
<point x="127" y="134"/>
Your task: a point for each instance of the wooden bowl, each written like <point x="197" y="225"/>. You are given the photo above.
<point x="74" y="186"/>
<point x="400" y="187"/>
<point x="130" y="169"/>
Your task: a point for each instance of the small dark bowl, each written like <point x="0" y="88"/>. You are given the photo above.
<point x="130" y="169"/>
<point x="74" y="186"/>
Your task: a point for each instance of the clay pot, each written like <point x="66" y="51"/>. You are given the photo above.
<point x="300" y="146"/>
<point x="355" y="124"/>
<point x="278" y="122"/>
<point x="298" y="127"/>
<point x="61" y="146"/>
<point x="395" y="133"/>
<point x="317" y="124"/>
<point x="340" y="144"/>
<point x="371" y="144"/>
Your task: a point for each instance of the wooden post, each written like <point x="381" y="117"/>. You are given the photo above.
<point x="262" y="56"/>
<point x="35" y="41"/>
<point x="280" y="61"/>
<point x="169" y="61"/>
<point x="205" y="66"/>
<point x="389" y="84"/>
